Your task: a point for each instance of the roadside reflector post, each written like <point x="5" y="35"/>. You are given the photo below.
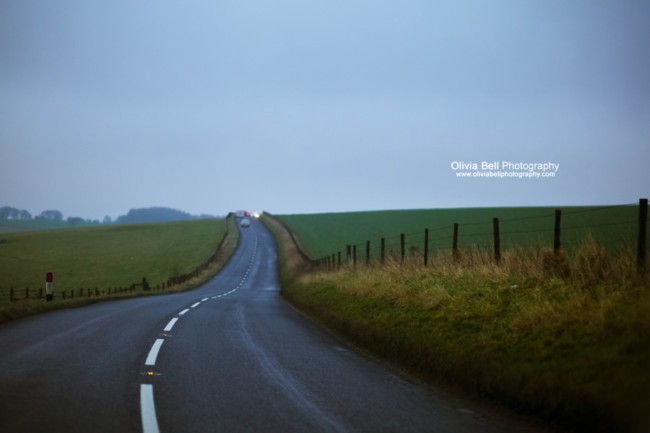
<point x="49" y="279"/>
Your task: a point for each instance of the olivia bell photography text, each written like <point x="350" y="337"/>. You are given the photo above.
<point x="505" y="169"/>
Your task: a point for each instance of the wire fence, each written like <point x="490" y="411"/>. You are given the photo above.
<point x="141" y="287"/>
<point x="543" y="230"/>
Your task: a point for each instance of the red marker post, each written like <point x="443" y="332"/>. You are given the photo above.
<point x="49" y="278"/>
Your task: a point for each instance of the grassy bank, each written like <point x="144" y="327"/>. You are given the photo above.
<point x="564" y="340"/>
<point x="108" y="257"/>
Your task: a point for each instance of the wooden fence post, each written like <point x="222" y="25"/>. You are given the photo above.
<point x="339" y="259"/>
<point x="454" y="247"/>
<point x="497" y="240"/>
<point x="426" y="247"/>
<point x="556" y="232"/>
<point x="354" y="256"/>
<point x="367" y="253"/>
<point x="641" y="241"/>
<point x="401" y="246"/>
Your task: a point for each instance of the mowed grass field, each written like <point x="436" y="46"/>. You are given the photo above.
<point x="614" y="227"/>
<point x="107" y="256"/>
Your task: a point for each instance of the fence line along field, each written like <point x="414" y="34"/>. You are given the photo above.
<point x="106" y="257"/>
<point x="614" y="227"/>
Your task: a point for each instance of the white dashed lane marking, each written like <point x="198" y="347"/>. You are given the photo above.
<point x="147" y="407"/>
<point x="171" y="324"/>
<point x="153" y="353"/>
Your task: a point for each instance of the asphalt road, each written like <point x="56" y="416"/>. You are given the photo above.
<point x="230" y="356"/>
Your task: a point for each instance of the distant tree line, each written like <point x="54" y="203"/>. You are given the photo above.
<point x="156" y="214"/>
<point x="134" y="216"/>
<point x="12" y="213"/>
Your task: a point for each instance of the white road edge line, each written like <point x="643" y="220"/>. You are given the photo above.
<point x="153" y="353"/>
<point x="184" y="311"/>
<point x="148" y="410"/>
<point x="171" y="324"/>
<point x="195" y="304"/>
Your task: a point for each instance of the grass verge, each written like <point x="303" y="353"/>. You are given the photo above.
<point x="566" y="341"/>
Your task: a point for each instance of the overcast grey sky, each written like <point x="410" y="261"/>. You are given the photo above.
<point x="302" y="106"/>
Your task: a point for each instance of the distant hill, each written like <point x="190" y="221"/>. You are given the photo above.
<point x="15" y="220"/>
<point x="154" y="215"/>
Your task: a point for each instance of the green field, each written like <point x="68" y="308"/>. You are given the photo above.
<point x="10" y="226"/>
<point x="107" y="256"/>
<point x="614" y="227"/>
